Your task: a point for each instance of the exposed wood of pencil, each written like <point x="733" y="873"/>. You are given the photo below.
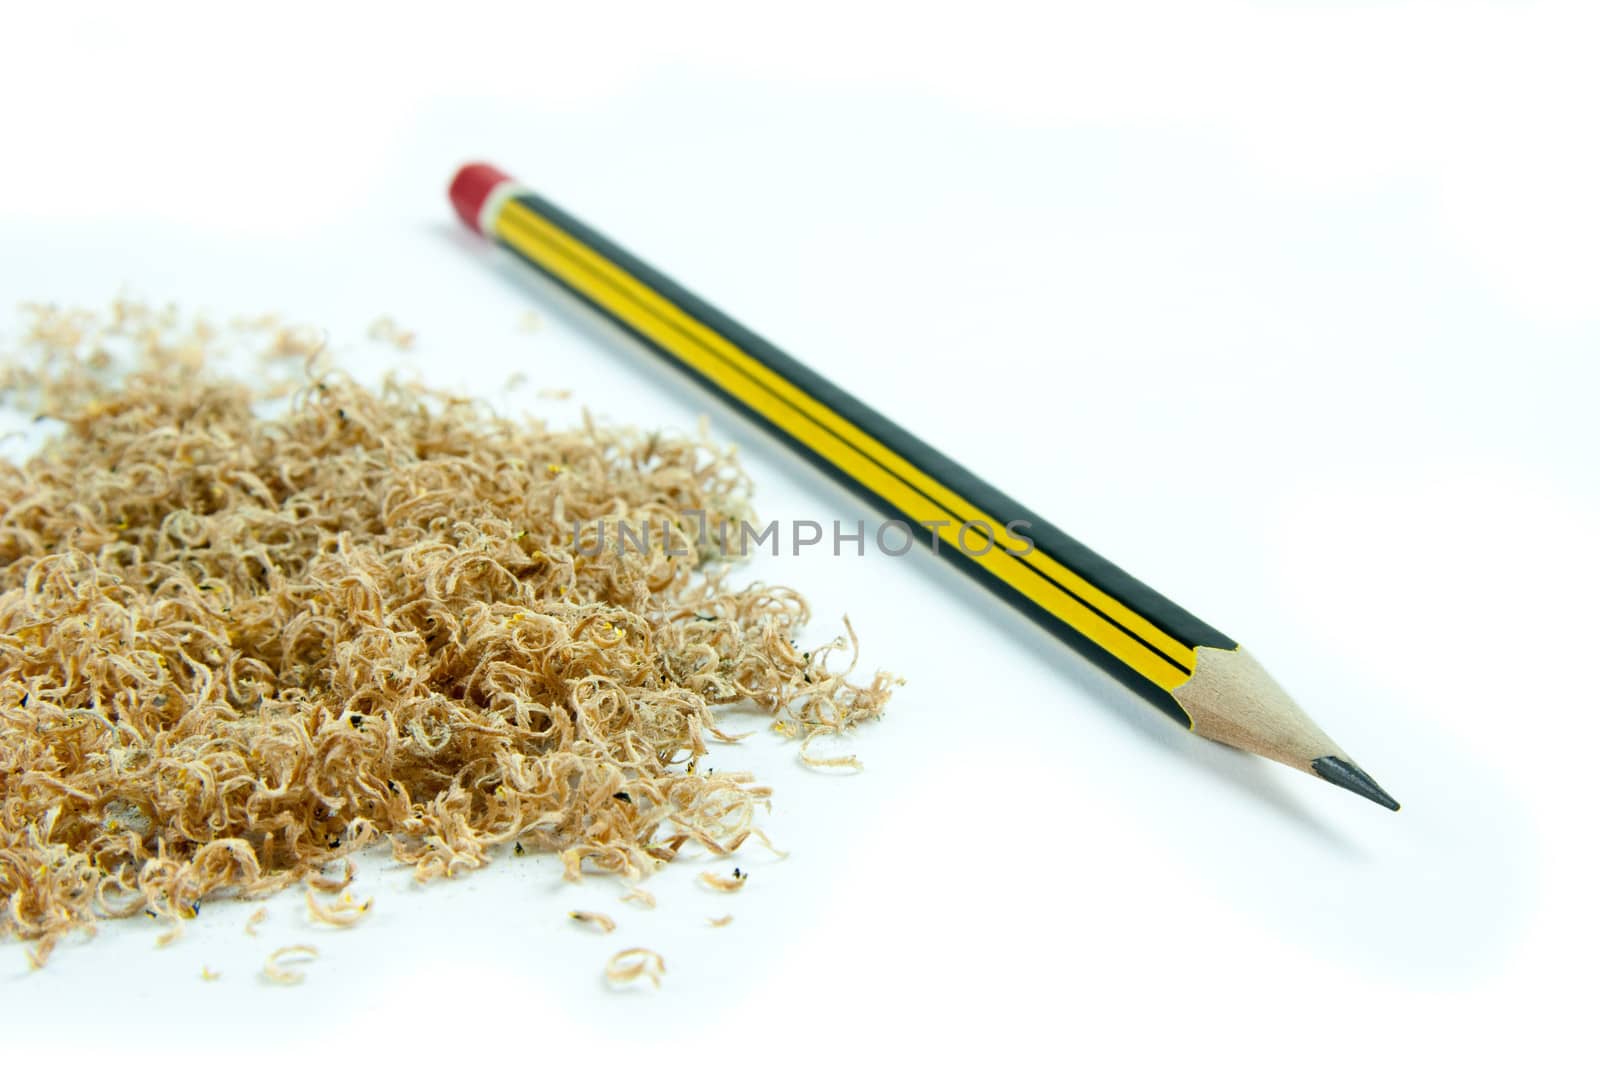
<point x="1232" y="699"/>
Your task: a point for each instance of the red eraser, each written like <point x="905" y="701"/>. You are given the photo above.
<point x="471" y="187"/>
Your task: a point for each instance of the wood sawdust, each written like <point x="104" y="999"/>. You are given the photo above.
<point x="723" y="883"/>
<point x="599" y="920"/>
<point x="329" y="884"/>
<point x="390" y="332"/>
<point x="345" y="911"/>
<point x="639" y="895"/>
<point x="282" y="965"/>
<point x="632" y="964"/>
<point x="247" y="629"/>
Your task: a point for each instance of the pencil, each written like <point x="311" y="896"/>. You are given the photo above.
<point x="1182" y="666"/>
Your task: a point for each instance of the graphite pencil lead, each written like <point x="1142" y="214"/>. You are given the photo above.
<point x="1346" y="775"/>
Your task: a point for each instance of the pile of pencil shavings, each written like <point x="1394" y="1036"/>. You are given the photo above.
<point x="247" y="630"/>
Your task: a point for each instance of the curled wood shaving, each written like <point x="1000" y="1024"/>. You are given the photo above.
<point x="343" y="912"/>
<point x="739" y="839"/>
<point x="851" y="762"/>
<point x="633" y="963"/>
<point x="321" y="881"/>
<point x="39" y="952"/>
<point x="256" y="918"/>
<point x="279" y="967"/>
<point x="761" y="836"/>
<point x="639" y="895"/>
<point x="386" y="329"/>
<point x="172" y="934"/>
<point x="246" y="629"/>
<point x="602" y="922"/>
<point x="725" y="884"/>
<point x="724" y="921"/>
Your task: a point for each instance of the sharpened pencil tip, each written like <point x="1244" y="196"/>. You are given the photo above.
<point x="1347" y="775"/>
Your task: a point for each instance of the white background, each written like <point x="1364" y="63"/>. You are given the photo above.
<point x="1291" y="309"/>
